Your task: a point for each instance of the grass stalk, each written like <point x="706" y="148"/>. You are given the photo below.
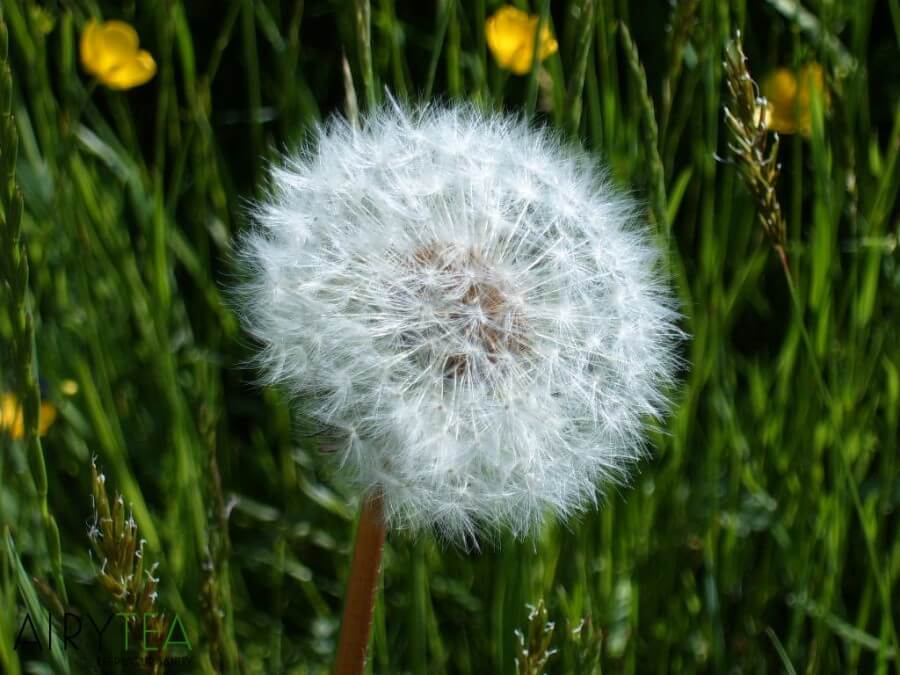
<point x="15" y="272"/>
<point x="658" y="205"/>
<point x="363" y="19"/>
<point x="574" y="95"/>
<point x="532" y="91"/>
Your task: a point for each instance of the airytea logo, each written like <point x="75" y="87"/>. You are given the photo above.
<point x="120" y="638"/>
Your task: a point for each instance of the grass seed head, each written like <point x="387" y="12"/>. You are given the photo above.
<point x="756" y="158"/>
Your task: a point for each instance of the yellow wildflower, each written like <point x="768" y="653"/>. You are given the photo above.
<point x="68" y="387"/>
<point x="510" y="36"/>
<point x="12" y="419"/>
<point x="109" y="52"/>
<point x="789" y="98"/>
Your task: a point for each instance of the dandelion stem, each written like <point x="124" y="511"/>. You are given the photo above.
<point x="359" y="602"/>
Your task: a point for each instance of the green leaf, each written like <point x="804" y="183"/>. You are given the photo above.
<point x="38" y="613"/>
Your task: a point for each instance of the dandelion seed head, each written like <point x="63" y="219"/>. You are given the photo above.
<point x="473" y="306"/>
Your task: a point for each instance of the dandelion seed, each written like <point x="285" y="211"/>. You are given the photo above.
<point x="491" y="355"/>
<point x="109" y="52"/>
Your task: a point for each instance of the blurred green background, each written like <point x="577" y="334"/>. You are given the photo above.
<point x="761" y="537"/>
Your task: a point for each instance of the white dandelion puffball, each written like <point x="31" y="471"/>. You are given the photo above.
<point x="471" y="305"/>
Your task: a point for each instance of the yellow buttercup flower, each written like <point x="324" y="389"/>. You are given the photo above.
<point x="109" y="52"/>
<point x="789" y="98"/>
<point x="68" y="387"/>
<point x="510" y="36"/>
<point x="12" y="419"/>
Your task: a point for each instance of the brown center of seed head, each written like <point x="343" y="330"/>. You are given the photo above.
<point x="474" y="300"/>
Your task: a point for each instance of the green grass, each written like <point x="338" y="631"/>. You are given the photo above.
<point x="763" y="535"/>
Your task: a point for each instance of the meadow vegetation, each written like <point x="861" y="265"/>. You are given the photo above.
<point x="761" y="535"/>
